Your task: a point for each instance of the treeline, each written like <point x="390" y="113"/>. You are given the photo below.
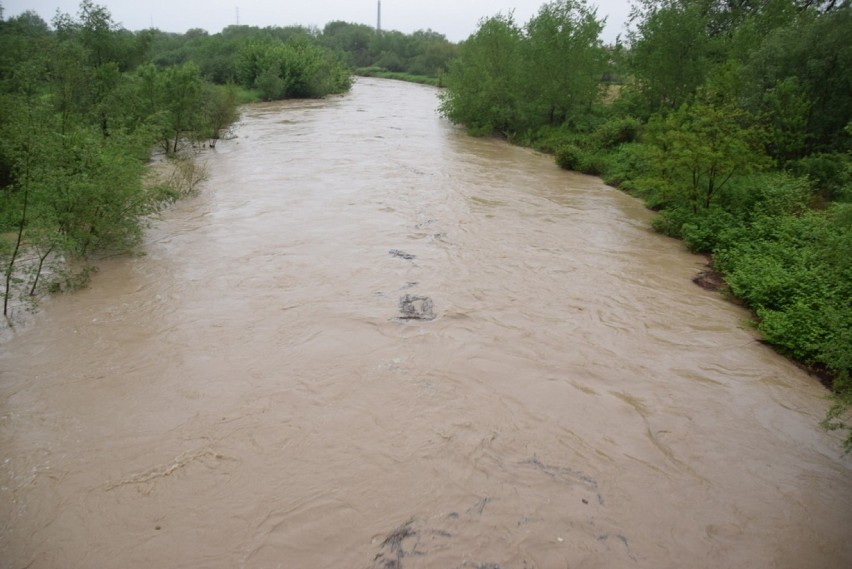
<point x="83" y="102"/>
<point x="274" y="62"/>
<point x="259" y="57"/>
<point x="731" y="118"/>
<point x="422" y="54"/>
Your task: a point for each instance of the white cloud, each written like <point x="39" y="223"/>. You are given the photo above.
<point x="455" y="19"/>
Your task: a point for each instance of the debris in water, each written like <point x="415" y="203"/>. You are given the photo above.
<point x="413" y="307"/>
<point x="392" y="547"/>
<point x="397" y="536"/>
<point x="709" y="278"/>
<point x="480" y="506"/>
<point x="415" y="540"/>
<point x="622" y="539"/>
<point x="402" y="254"/>
<point x="563" y="474"/>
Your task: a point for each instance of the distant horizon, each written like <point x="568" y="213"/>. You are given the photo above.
<point x="445" y="17"/>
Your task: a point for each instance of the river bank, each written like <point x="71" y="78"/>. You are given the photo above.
<point x="246" y="393"/>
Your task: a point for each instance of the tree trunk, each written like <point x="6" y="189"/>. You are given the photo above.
<point x="11" y="268"/>
<point x="38" y="270"/>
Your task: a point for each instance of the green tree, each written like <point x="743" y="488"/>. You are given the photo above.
<point x="483" y="83"/>
<point x="701" y="147"/>
<point x="94" y="52"/>
<point x="220" y="109"/>
<point x="431" y="55"/>
<point x="565" y="60"/>
<point x="21" y="132"/>
<point x="70" y="192"/>
<point x="21" y="38"/>
<point x="295" y="69"/>
<point x="356" y="41"/>
<point x="808" y="65"/>
<point x="270" y="83"/>
<point x="171" y="102"/>
<point x="671" y="51"/>
<point x="785" y="109"/>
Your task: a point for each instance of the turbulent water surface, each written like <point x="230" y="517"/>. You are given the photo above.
<point x="374" y="342"/>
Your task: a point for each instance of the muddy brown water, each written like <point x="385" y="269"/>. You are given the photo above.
<point x="253" y="393"/>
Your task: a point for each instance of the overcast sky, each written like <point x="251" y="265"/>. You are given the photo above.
<point x="456" y="19"/>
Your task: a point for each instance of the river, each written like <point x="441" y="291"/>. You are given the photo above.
<point x="372" y="341"/>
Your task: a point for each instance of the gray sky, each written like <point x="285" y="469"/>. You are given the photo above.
<point x="456" y="19"/>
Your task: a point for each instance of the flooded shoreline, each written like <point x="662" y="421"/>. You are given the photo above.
<point x="249" y="393"/>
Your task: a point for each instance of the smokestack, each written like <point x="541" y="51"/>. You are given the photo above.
<point x="379" y="18"/>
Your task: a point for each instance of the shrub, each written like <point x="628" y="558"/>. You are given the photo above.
<point x="787" y="268"/>
<point x="831" y="174"/>
<point x="709" y="229"/>
<point x="616" y="132"/>
<point x="591" y="162"/>
<point x="765" y="194"/>
<point x="629" y="162"/>
<point x="569" y="156"/>
<point x="548" y="138"/>
<point x="671" y="221"/>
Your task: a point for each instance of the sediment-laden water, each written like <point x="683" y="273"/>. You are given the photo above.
<point x="374" y="342"/>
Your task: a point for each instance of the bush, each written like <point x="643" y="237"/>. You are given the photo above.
<point x="628" y="162"/>
<point x="569" y="157"/>
<point x="671" y="221"/>
<point x="709" y="229"/>
<point x="831" y="174"/>
<point x="616" y="132"/>
<point x="787" y="268"/>
<point x="573" y="157"/>
<point x="549" y="138"/>
<point x="592" y="163"/>
<point x="764" y="281"/>
<point x="766" y="194"/>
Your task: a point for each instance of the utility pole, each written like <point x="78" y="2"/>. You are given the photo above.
<point x="238" y="15"/>
<point x="379" y="18"/>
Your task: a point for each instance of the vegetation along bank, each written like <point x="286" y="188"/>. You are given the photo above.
<point x="732" y="119"/>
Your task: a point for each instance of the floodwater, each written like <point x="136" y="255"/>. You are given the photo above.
<point x="266" y="386"/>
